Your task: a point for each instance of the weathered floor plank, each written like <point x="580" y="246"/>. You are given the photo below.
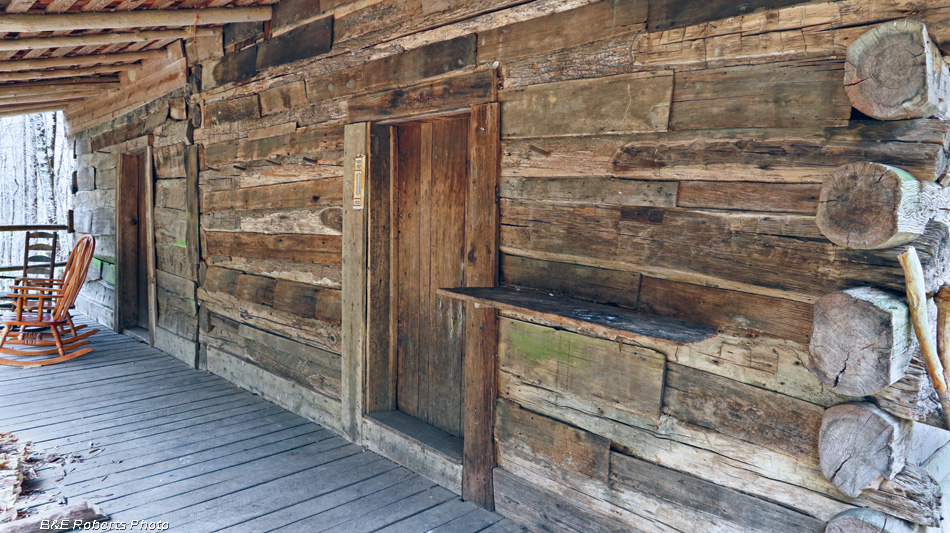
<point x="163" y="442"/>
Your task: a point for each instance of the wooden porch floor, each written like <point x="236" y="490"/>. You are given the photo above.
<point x="161" y="441"/>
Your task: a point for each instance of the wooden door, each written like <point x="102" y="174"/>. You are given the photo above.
<point x="429" y="197"/>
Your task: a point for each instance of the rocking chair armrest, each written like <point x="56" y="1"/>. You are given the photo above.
<point x="34" y="296"/>
<point x="24" y="291"/>
<point x="39" y="281"/>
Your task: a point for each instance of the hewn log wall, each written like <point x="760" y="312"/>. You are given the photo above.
<point x="659" y="155"/>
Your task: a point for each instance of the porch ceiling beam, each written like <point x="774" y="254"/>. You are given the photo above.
<point x="114" y="20"/>
<point x="15" y="65"/>
<point x="9" y="111"/>
<point x="46" y="98"/>
<point x="100" y="39"/>
<point x="58" y="86"/>
<point x="64" y="73"/>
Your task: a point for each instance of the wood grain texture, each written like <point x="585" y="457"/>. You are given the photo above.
<point x="862" y="340"/>
<point x="602" y="285"/>
<point x="550" y="441"/>
<point x="773" y="420"/>
<point x="619" y="375"/>
<point x="860" y="446"/>
<point x="480" y="337"/>
<point x="291" y="248"/>
<point x="619" y="104"/>
<point x="357" y="140"/>
<point x="445" y="95"/>
<point x="895" y="71"/>
<point x="793" y="94"/>
<point x="783" y="155"/>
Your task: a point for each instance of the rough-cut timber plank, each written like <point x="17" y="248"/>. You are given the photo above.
<point x="870" y="205"/>
<point x="730" y="311"/>
<point x="418" y="64"/>
<point x="862" y="340"/>
<point x="746" y="512"/>
<point x="335" y="85"/>
<point x="792" y="155"/>
<point x="232" y="67"/>
<point x="562" y="446"/>
<point x="668" y="14"/>
<point x="354" y="284"/>
<point x="480" y="348"/>
<point x="778" y="95"/>
<point x="285" y="393"/>
<point x="773" y="420"/>
<point x="620" y="375"/>
<point x="715" y="457"/>
<point x="541" y="510"/>
<point x="291" y="248"/>
<point x="231" y="110"/>
<point x="801" y="198"/>
<point x="601" y="320"/>
<point x="867" y="521"/>
<point x="592" y="189"/>
<point x="557" y="31"/>
<point x="309" y="193"/>
<point x="313" y="139"/>
<point x="299" y="299"/>
<point x="619" y="104"/>
<point x="444" y="95"/>
<point x="303" y="42"/>
<point x="601" y="285"/>
<point x="895" y="71"/>
<point x="306" y="365"/>
<point x="282" y="98"/>
<point x="860" y="446"/>
<point x="169" y="161"/>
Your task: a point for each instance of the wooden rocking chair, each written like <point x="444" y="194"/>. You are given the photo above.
<point x="47" y="305"/>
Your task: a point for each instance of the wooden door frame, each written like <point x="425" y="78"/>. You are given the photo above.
<point x="127" y="198"/>
<point x="369" y="362"/>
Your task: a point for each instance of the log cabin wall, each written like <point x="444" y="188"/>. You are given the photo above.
<point x="662" y="156"/>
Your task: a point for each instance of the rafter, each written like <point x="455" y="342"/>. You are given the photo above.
<point x="46" y="98"/>
<point x="9" y="111"/>
<point x="64" y="73"/>
<point x="111" y="20"/>
<point x="16" y="65"/>
<point x="64" y="84"/>
<point x="100" y="39"/>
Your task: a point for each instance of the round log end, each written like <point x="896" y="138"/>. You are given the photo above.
<point x="859" y="446"/>
<point x="861" y="341"/>
<point x="869" y="206"/>
<point x="895" y="72"/>
<point x="867" y="521"/>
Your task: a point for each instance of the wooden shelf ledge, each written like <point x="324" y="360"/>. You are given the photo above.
<point x="597" y="319"/>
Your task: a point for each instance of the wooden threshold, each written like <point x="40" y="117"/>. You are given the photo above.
<point x="586" y="317"/>
<point x="416" y="445"/>
<point x="139" y="333"/>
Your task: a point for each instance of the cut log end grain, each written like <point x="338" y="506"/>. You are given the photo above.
<point x="896" y="72"/>
<point x="861" y="340"/>
<point x="859" y="446"/>
<point x="868" y="521"/>
<point x="870" y="206"/>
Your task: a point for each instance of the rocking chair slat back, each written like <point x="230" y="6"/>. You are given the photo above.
<point x="75" y="275"/>
<point x="39" y="254"/>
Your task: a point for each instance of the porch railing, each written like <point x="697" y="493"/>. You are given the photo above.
<point x="68" y="227"/>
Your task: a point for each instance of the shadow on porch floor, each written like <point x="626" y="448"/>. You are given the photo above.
<point x="164" y="442"/>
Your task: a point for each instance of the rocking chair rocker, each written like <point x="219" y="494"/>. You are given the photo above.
<point x="46" y="304"/>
